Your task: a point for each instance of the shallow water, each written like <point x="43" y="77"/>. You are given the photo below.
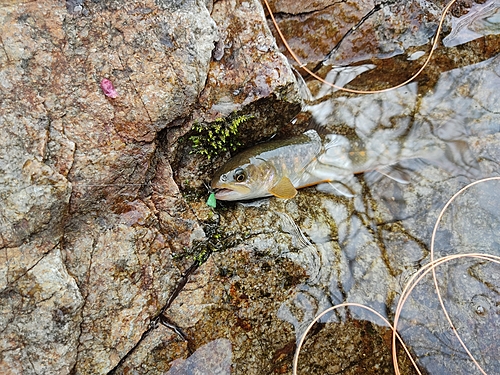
<point x="382" y="236"/>
<point x="364" y="249"/>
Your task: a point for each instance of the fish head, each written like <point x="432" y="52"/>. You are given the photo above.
<point x="241" y="179"/>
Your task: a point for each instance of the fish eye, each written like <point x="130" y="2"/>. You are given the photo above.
<point x="239" y="175"/>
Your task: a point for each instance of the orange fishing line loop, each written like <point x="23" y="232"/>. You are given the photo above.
<point x="412" y="284"/>
<point x="414" y="280"/>
<point x="434" y="271"/>
<point x="346" y="304"/>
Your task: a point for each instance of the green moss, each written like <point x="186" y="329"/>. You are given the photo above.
<point x="217" y="137"/>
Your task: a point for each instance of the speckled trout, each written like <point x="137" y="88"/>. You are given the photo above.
<point x="280" y="167"/>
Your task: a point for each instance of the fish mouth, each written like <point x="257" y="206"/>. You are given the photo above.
<point x="223" y="194"/>
<point x="231" y="193"/>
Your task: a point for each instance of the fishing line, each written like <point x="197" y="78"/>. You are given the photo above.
<point x="346" y="304"/>
<point x="461" y="191"/>
<point x="313" y="74"/>
<point x="410" y="286"/>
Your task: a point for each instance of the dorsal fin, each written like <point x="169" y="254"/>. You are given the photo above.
<point x="284" y="189"/>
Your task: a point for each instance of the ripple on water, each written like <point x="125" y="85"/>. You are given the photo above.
<point x="365" y="248"/>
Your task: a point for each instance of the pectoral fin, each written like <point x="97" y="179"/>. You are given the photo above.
<point x="284" y="189"/>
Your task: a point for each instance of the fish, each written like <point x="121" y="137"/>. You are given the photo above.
<point x="280" y="167"/>
<point x="274" y="168"/>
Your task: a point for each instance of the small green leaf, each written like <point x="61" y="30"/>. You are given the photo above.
<point x="211" y="201"/>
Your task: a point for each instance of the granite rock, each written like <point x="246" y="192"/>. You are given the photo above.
<point x="91" y="216"/>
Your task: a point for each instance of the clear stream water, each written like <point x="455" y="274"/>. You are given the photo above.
<point x="364" y="249"/>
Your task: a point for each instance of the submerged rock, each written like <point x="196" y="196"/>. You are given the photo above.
<point x="213" y="358"/>
<point x="364" y="249"/>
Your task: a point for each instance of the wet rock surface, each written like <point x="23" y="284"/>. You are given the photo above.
<point x="412" y="25"/>
<point x="113" y="263"/>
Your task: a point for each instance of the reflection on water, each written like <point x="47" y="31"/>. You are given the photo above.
<point x="482" y="19"/>
<point x="363" y="249"/>
<point x="214" y="358"/>
<point x="471" y="299"/>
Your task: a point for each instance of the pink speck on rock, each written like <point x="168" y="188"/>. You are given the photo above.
<point x="108" y="88"/>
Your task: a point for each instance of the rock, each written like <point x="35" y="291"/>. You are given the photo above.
<point x="40" y="317"/>
<point x="156" y="353"/>
<point x="247" y="64"/>
<point x="371" y="39"/>
<point x="103" y="216"/>
<point x="132" y="262"/>
<point x="73" y="163"/>
<point x="212" y="359"/>
<point x="92" y="222"/>
<point x="292" y="7"/>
